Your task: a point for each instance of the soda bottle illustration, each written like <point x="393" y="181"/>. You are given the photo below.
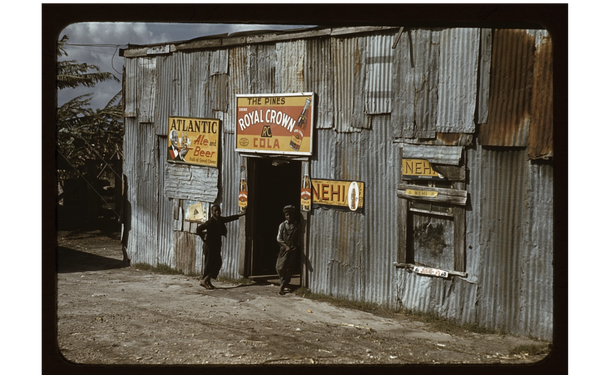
<point x="305" y="191"/>
<point x="300" y="128"/>
<point x="243" y="196"/>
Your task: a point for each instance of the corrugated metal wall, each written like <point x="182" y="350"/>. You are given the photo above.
<point x="372" y="99"/>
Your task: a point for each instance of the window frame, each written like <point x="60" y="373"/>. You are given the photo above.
<point x="455" y="196"/>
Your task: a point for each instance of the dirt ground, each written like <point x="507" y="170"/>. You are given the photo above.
<point x="111" y="313"/>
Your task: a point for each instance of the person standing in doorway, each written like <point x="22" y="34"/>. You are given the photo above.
<point x="211" y="232"/>
<point x="287" y="237"/>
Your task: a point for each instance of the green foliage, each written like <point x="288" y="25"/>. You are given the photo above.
<point x="86" y="133"/>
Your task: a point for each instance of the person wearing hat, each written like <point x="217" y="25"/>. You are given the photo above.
<point x="287" y="237"/>
<point x="211" y="232"/>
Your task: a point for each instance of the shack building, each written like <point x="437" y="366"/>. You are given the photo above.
<point x="428" y="153"/>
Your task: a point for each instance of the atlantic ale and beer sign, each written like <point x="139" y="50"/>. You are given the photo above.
<point x="275" y="124"/>
<point x="193" y="141"/>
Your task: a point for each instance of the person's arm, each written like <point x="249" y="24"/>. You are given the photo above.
<point x="227" y="219"/>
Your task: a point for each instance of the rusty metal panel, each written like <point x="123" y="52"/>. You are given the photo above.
<point x="139" y="170"/>
<point x="509" y="250"/>
<point x="403" y="103"/>
<point x="230" y="170"/>
<point x="191" y="182"/>
<point x="513" y="55"/>
<point x="450" y="155"/>
<point x="350" y="254"/>
<point x="198" y="73"/>
<point x="319" y="79"/>
<point x="347" y="70"/>
<point x="485" y="65"/>
<point x="426" y="66"/>
<point x="219" y="61"/>
<point x="542" y="112"/>
<point x="536" y="255"/>
<point x="378" y="66"/>
<point x="184" y="244"/>
<point x="415" y="80"/>
<point x="459" y="58"/>
<point x="165" y="209"/>
<point x="501" y="226"/>
<point x="509" y="242"/>
<point x="239" y="80"/>
<point x="290" y="66"/>
<point x="380" y="170"/>
<point x="219" y="80"/>
<point x="510" y="230"/>
<point x="146" y="81"/>
<point x="130" y="91"/>
<point x="261" y="69"/>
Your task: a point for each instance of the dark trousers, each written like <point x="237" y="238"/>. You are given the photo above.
<point x="212" y="261"/>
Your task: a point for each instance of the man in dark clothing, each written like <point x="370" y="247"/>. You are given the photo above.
<point x="287" y="237"/>
<point x="211" y="232"/>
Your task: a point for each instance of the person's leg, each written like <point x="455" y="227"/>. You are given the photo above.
<point x="205" y="282"/>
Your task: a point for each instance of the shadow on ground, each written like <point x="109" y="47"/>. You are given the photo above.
<point x="71" y="260"/>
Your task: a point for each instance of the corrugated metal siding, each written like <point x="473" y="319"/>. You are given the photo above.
<point x="350" y="255"/>
<point x="536" y="302"/>
<point x="261" y="68"/>
<point x="319" y="80"/>
<point x="230" y="168"/>
<point x="541" y="142"/>
<point x="501" y="208"/>
<point x="426" y="52"/>
<point x="380" y="170"/>
<point x="510" y="91"/>
<point x="139" y="167"/>
<point x="510" y="232"/>
<point x="355" y="250"/>
<point x="459" y="58"/>
<point x="485" y="65"/>
<point x="509" y="250"/>
<point x="348" y="68"/>
<point x="290" y="59"/>
<point x="378" y="66"/>
<point x="403" y="103"/>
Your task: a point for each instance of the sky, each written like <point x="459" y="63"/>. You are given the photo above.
<point x="99" y="43"/>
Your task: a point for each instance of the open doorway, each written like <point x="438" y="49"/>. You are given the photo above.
<point x="274" y="184"/>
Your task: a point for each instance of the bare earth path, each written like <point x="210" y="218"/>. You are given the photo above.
<point x="110" y="313"/>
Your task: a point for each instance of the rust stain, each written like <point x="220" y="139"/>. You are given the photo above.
<point x="542" y="119"/>
<point x="513" y="55"/>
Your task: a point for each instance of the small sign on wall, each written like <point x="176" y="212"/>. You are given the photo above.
<point x="341" y="195"/>
<point x="275" y="123"/>
<point x="193" y="141"/>
<point x="419" y="169"/>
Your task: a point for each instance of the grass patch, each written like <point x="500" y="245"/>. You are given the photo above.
<point x="362" y="306"/>
<point x="438" y="323"/>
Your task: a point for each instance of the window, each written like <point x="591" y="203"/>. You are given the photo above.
<point x="432" y="212"/>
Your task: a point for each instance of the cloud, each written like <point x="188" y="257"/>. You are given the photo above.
<point x="98" y="43"/>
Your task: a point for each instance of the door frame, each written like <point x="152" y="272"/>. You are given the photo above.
<point x="247" y="222"/>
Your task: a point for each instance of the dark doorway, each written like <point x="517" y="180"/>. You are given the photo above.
<point x="276" y="184"/>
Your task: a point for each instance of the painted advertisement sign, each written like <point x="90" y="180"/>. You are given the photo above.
<point x="275" y="124"/>
<point x="193" y="141"/>
<point x="196" y="212"/>
<point x="419" y="169"/>
<point x="341" y="195"/>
